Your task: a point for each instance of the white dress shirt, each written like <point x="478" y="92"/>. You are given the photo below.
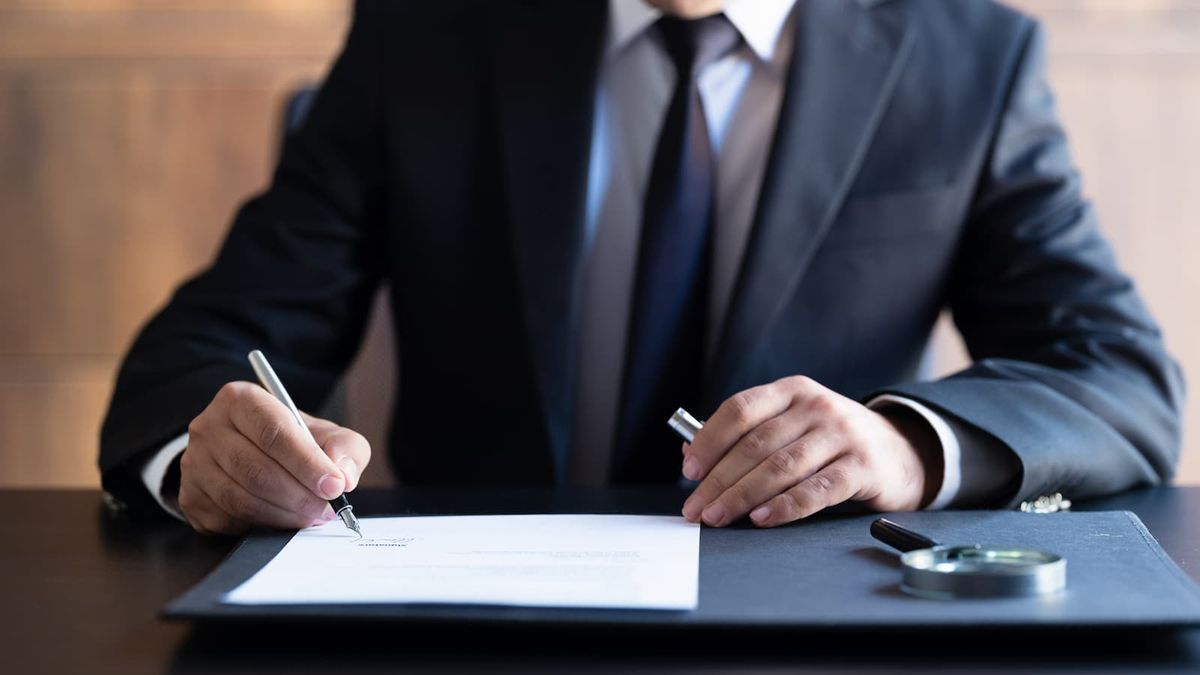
<point x="741" y="94"/>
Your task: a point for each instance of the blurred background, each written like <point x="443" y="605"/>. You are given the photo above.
<point x="130" y="130"/>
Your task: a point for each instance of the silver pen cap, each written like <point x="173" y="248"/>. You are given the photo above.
<point x="684" y="424"/>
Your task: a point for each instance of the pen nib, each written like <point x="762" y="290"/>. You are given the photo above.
<point x="350" y="521"/>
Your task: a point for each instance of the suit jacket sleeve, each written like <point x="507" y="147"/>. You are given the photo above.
<point x="295" y="277"/>
<point x="1070" y="373"/>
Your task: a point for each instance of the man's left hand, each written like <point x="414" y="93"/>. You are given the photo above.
<point x="785" y="450"/>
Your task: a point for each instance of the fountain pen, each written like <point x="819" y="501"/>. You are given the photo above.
<point x="271" y="382"/>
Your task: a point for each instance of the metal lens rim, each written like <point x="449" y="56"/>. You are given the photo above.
<point x="969" y="559"/>
<point x="975" y="571"/>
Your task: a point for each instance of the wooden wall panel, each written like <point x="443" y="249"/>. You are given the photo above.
<point x="129" y="132"/>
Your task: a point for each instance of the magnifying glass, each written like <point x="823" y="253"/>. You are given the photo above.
<point x="931" y="570"/>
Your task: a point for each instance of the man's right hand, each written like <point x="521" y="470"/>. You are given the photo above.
<point x="249" y="464"/>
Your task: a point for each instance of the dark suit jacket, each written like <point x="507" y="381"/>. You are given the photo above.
<point x="918" y="164"/>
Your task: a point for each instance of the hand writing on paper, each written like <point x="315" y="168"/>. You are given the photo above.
<point x="784" y="451"/>
<point x="249" y="464"/>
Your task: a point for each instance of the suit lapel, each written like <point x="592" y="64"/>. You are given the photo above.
<point x="846" y="61"/>
<point x="546" y="60"/>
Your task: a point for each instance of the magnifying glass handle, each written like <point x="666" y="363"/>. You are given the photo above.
<point x="900" y="538"/>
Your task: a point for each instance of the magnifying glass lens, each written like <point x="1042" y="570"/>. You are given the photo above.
<point x="973" y="571"/>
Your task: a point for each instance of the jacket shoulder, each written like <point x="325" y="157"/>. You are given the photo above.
<point x="967" y="43"/>
<point x="965" y="25"/>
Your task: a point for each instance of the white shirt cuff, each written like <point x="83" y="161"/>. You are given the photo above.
<point x="155" y="470"/>
<point x="951" y="451"/>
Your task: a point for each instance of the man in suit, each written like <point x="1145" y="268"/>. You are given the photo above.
<point x="590" y="213"/>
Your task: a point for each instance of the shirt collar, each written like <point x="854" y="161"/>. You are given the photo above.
<point x="759" y="21"/>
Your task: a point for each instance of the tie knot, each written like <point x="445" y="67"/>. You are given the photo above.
<point x="695" y="43"/>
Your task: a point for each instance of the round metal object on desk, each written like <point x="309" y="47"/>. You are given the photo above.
<point x="947" y="572"/>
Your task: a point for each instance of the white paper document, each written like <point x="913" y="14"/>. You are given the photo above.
<point x="642" y="562"/>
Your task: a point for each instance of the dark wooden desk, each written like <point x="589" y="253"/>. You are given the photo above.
<point x="82" y="589"/>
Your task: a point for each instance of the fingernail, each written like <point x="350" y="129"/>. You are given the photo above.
<point x="690" y="508"/>
<point x="330" y="486"/>
<point x="350" y="468"/>
<point x="714" y="515"/>
<point x="760" y="514"/>
<point x="691" y="468"/>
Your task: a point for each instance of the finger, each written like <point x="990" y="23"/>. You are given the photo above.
<point x="268" y="424"/>
<point x="834" y="484"/>
<point x="261" y="475"/>
<point x="317" y="425"/>
<point x="778" y="472"/>
<point x="198" y="510"/>
<point x="733" y="419"/>
<point x="202" y="513"/>
<point x="244" y="509"/>
<point x="347" y="448"/>
<point x="189" y="503"/>
<point x="747" y="453"/>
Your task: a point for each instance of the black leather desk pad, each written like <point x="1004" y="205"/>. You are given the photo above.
<point x="823" y="573"/>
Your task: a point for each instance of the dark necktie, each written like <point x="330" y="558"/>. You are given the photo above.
<point x="664" y="355"/>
